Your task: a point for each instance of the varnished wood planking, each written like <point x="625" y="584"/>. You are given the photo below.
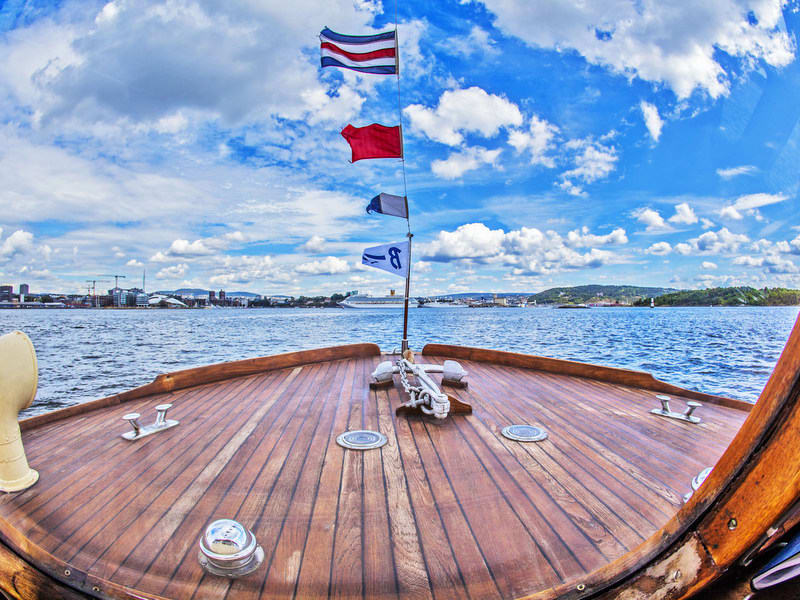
<point x="425" y="530"/>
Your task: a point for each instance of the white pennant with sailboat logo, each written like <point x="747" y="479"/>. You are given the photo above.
<point x="389" y="257"/>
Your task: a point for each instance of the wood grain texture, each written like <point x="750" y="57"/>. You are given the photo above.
<point x="627" y="377"/>
<point x="446" y="509"/>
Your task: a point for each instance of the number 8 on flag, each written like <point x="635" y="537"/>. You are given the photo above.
<point x="388" y="257"/>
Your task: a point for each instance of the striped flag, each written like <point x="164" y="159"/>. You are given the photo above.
<point x="365" y="53"/>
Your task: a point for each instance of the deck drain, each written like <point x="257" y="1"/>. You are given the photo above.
<point x="361" y="439"/>
<point x="524" y="433"/>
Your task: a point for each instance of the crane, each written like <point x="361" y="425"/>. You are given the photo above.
<point x="94" y="283"/>
<point x="116" y="279"/>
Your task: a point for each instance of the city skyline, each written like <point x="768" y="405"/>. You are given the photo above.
<point x="548" y="144"/>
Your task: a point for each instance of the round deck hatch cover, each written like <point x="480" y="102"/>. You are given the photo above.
<point x="524" y="433"/>
<point x="361" y="439"/>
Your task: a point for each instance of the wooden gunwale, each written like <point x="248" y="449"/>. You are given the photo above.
<point x="775" y="415"/>
<point x="186" y="378"/>
<point x="559" y="366"/>
<point x="747" y="473"/>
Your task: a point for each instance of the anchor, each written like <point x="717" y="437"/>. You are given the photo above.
<point x="425" y="397"/>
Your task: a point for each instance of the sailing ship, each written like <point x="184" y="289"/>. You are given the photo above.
<point x="347" y="472"/>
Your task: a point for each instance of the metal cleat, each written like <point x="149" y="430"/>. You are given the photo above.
<point x="161" y="423"/>
<point x="665" y="410"/>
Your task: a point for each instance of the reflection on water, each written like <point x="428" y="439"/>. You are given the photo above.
<point x="88" y="354"/>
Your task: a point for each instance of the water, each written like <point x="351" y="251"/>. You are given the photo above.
<point x="88" y="354"/>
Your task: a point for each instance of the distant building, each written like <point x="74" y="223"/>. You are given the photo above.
<point x="24" y="290"/>
<point x="222" y="297"/>
<point x="6" y="291"/>
<point x="212" y="297"/>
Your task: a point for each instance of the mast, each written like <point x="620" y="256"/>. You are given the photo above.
<point x="404" y="343"/>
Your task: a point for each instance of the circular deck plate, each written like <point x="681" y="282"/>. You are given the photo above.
<point x="361" y="439"/>
<point x="524" y="433"/>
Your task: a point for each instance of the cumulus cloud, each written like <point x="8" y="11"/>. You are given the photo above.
<point x="713" y="242"/>
<point x="707" y="264"/>
<point x="659" y="249"/>
<point x="651" y="218"/>
<point x="173" y="272"/>
<point x="315" y="244"/>
<point x="652" y="119"/>
<point x="246" y="269"/>
<point x="665" y="42"/>
<point x="134" y="263"/>
<point x="684" y="214"/>
<point x="583" y="239"/>
<point x="330" y="265"/>
<point x="732" y="172"/>
<point x="539" y="140"/>
<point x="460" y="111"/>
<point x="16" y="243"/>
<point x="152" y="63"/>
<point x="458" y="163"/>
<point x="593" y="161"/>
<point x="529" y="251"/>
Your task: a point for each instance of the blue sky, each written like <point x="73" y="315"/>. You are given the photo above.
<point x="547" y="143"/>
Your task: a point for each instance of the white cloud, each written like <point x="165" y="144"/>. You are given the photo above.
<point x="156" y="63"/>
<point x="134" y="263"/>
<point x="652" y="119"/>
<point x="730" y="212"/>
<point x="316" y="244"/>
<point x="476" y="42"/>
<point x="671" y="42"/>
<point x="538" y="140"/>
<point x="749" y="204"/>
<point x="185" y="248"/>
<point x="706" y="264"/>
<point x="731" y="172"/>
<point x="713" y="242"/>
<point x="583" y="239"/>
<point x="758" y="200"/>
<point x="651" y="218"/>
<point x="173" y="272"/>
<point x="528" y="250"/>
<point x="458" y="163"/>
<point x="330" y="265"/>
<point x="707" y="223"/>
<point x="244" y="269"/>
<point x="461" y="111"/>
<point x="683" y="214"/>
<point x="593" y="161"/>
<point x="659" y="249"/>
<point x="16" y="243"/>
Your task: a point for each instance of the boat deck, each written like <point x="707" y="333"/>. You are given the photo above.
<point x="447" y="509"/>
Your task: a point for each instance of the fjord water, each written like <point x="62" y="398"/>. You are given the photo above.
<point x="89" y="354"/>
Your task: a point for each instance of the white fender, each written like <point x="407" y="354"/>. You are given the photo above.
<point x="19" y="376"/>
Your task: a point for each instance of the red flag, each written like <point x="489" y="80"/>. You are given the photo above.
<point x="374" y="141"/>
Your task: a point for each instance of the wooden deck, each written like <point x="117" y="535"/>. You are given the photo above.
<point x="447" y="509"/>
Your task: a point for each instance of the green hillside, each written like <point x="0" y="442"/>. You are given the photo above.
<point x="624" y="294"/>
<point x="730" y="296"/>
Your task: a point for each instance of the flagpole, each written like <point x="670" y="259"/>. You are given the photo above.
<point x="404" y="344"/>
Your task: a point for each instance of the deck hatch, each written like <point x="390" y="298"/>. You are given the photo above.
<point x="361" y="439"/>
<point x="524" y="433"/>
